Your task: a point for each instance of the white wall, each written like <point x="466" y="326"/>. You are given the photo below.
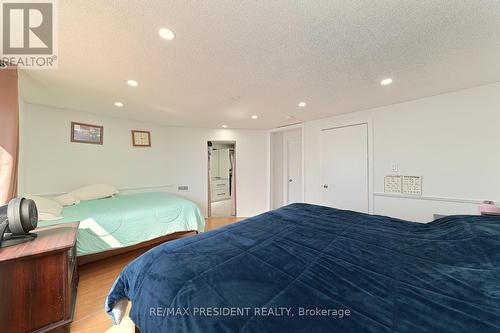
<point x="53" y="164"/>
<point x="452" y="140"/>
<point x="190" y="152"/>
<point x="50" y="163"/>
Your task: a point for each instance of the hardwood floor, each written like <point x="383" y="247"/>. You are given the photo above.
<point x="96" y="280"/>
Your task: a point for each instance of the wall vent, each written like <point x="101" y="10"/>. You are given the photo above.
<point x="182" y="188"/>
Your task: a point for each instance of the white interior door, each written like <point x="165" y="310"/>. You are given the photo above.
<point x="293" y="169"/>
<point x="344" y="167"/>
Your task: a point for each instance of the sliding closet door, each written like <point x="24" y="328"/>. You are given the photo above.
<point x="344" y="167"/>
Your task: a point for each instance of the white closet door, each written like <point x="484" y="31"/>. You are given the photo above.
<point x="293" y="165"/>
<point x="344" y="167"/>
<point x="214" y="163"/>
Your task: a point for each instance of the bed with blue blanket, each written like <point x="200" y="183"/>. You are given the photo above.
<point x="307" y="268"/>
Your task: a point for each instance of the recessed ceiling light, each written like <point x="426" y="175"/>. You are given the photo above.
<point x="255" y="116"/>
<point x="385" y="82"/>
<point x="166" y="34"/>
<point x="132" y="83"/>
<point x="224" y="126"/>
<point x="119" y="104"/>
<point x="302" y="104"/>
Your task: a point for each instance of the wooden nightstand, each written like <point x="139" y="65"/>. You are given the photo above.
<point x="38" y="281"/>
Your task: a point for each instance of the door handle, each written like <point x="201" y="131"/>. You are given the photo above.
<point x="325" y="185"/>
<point x="290" y="180"/>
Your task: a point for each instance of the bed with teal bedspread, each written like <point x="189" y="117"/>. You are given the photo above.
<point x="129" y="219"/>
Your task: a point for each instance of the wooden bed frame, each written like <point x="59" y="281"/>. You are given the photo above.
<point x="89" y="258"/>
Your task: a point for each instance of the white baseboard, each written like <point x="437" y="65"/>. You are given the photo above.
<point x="429" y="198"/>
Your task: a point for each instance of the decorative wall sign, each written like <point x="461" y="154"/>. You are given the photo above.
<point x="86" y="133"/>
<point x="141" y="138"/>
<point x="412" y="185"/>
<point x="392" y="184"/>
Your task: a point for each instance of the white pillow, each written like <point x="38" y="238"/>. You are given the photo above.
<point x="67" y="199"/>
<point x="45" y="205"/>
<point x="48" y="217"/>
<point x="96" y="191"/>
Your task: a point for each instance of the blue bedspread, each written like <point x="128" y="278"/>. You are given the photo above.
<point x="306" y="268"/>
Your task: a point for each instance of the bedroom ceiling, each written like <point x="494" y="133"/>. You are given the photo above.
<point x="234" y="59"/>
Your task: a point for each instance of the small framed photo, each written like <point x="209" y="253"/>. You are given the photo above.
<point x="86" y="133"/>
<point x="141" y="138"/>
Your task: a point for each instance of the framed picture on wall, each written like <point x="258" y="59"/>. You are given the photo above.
<point x="141" y="138"/>
<point x="86" y="133"/>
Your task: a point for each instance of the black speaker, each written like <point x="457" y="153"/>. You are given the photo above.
<point x="17" y="219"/>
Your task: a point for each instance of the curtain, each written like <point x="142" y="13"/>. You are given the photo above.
<point x="9" y="134"/>
<point x="232" y="160"/>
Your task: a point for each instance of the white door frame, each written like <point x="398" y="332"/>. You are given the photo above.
<point x="269" y="159"/>
<point x="286" y="169"/>
<point x="235" y="172"/>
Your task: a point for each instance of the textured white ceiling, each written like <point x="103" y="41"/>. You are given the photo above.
<point x="269" y="54"/>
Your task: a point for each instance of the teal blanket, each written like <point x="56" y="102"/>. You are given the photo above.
<point x="129" y="219"/>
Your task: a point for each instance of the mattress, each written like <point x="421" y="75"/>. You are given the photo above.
<point x="129" y="219"/>
<point x="306" y="268"/>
